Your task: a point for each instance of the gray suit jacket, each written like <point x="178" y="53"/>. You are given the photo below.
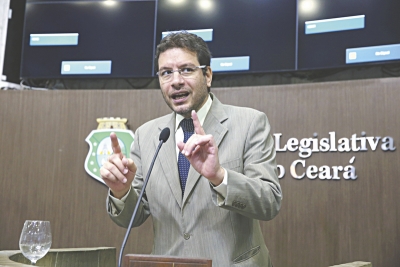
<point x="194" y="225"/>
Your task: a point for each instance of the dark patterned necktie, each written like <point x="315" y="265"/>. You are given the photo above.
<point x="183" y="163"/>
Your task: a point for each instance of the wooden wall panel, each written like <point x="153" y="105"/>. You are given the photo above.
<point x="322" y="222"/>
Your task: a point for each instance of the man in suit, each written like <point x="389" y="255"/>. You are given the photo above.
<point x="212" y="207"/>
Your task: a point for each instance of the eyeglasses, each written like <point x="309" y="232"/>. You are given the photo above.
<point x="186" y="72"/>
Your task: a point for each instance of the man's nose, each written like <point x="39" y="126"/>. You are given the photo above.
<point x="177" y="78"/>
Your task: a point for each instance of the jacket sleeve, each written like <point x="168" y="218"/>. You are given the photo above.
<point x="124" y="216"/>
<point x="253" y="190"/>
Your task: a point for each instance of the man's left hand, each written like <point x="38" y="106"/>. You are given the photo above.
<point x="202" y="153"/>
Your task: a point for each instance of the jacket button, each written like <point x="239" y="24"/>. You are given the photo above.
<point x="186" y="236"/>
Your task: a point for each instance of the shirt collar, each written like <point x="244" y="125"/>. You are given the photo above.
<point x="202" y="113"/>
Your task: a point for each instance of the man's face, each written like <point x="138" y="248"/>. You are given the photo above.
<point x="181" y="94"/>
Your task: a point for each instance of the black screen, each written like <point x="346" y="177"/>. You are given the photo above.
<point x="328" y="49"/>
<point x="264" y="31"/>
<point x="122" y="33"/>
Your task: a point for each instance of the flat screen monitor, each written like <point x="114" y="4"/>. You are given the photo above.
<point x="72" y="39"/>
<point x="342" y="33"/>
<point x="243" y="35"/>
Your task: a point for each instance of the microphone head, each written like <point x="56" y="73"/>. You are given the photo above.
<point x="164" y="135"/>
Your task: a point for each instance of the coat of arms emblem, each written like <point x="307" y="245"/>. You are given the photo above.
<point x="100" y="144"/>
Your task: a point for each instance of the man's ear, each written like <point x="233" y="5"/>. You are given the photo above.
<point x="209" y="75"/>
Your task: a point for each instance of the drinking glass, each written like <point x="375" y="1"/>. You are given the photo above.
<point x="35" y="240"/>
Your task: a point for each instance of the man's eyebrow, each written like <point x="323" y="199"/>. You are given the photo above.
<point x="187" y="65"/>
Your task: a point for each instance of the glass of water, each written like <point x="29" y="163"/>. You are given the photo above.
<point x="35" y="240"/>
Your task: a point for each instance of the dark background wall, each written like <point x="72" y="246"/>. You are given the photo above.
<point x="322" y="222"/>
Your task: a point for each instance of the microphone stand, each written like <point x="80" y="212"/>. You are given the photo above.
<point x="138" y="202"/>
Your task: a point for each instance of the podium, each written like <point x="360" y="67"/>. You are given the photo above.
<point x="139" y="260"/>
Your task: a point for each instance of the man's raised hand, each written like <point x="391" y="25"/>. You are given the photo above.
<point x="202" y="153"/>
<point x="118" y="172"/>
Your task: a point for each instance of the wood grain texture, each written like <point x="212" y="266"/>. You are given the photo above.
<point x="322" y="222"/>
<point x="138" y="260"/>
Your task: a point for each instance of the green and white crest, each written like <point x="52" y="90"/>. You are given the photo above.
<point x="100" y="145"/>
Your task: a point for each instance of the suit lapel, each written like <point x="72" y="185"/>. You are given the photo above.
<point x="168" y="161"/>
<point x="213" y="125"/>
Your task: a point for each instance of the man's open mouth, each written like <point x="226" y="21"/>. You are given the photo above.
<point x="180" y="96"/>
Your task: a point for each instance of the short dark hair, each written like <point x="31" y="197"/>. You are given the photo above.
<point x="184" y="40"/>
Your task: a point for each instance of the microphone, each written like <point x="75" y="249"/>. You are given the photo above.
<point x="164" y="135"/>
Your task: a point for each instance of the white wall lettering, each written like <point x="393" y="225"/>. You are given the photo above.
<point x="307" y="146"/>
